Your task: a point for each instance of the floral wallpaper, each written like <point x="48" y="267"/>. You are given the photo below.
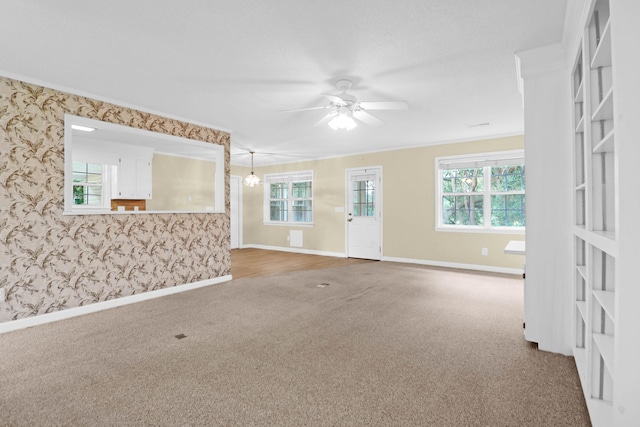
<point x="51" y="262"/>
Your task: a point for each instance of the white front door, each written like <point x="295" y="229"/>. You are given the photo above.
<point x="364" y="213"/>
<point x="235" y="195"/>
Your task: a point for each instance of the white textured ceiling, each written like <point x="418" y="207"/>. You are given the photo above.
<point x="238" y="64"/>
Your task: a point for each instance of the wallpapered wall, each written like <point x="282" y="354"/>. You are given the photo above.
<point x="51" y="262"/>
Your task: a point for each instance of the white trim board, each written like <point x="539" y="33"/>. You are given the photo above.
<point x="14" y="325"/>
<point x="296" y="250"/>
<point x="476" y="267"/>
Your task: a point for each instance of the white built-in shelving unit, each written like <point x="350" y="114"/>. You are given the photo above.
<point x="596" y="245"/>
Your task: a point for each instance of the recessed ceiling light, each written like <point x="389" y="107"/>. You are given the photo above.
<point x="82" y="128"/>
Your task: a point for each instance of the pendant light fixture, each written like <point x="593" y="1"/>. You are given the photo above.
<point x="252" y="180"/>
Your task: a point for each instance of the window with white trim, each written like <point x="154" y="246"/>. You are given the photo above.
<point x="288" y="198"/>
<point x="90" y="185"/>
<point x="481" y="192"/>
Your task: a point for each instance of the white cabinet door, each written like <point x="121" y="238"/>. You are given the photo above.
<point x="143" y="179"/>
<point x="133" y="179"/>
<point x="126" y="178"/>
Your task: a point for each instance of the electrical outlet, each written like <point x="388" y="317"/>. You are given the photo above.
<point x="485" y="251"/>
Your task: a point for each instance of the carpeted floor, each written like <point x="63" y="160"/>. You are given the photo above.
<point x="370" y="344"/>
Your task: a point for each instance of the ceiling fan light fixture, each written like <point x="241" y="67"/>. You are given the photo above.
<point x="343" y="120"/>
<point x="252" y="180"/>
<point x="345" y="107"/>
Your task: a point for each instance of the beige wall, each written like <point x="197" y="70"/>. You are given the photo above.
<point x="408" y="207"/>
<point x="50" y="261"/>
<point x="182" y="184"/>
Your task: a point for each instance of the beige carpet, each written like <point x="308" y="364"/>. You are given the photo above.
<point x="381" y="344"/>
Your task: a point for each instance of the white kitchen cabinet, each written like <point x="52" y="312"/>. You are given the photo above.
<point x="132" y="179"/>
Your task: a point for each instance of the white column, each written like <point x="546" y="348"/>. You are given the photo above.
<point x="547" y="299"/>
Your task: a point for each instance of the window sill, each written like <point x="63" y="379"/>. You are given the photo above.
<point x="108" y="211"/>
<point x="494" y="230"/>
<point x="290" y="224"/>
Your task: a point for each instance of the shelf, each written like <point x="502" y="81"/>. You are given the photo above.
<point x="515" y="247"/>
<point x="602" y="55"/>
<point x="583" y="271"/>
<point x="605" y="145"/>
<point x="579" y="93"/>
<point x="595" y="154"/>
<point x="605" y="109"/>
<point x="607" y="234"/>
<point x="580" y="125"/>
<point x="582" y="309"/>
<point x="606" y="299"/>
<point x="580" y="231"/>
<point x="605" y="347"/>
<point x="598" y="241"/>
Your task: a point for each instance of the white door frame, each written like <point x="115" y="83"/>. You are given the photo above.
<point x="237" y="179"/>
<point x="347" y="207"/>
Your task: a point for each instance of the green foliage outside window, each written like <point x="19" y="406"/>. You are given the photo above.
<point x="78" y="195"/>
<point x="464" y="193"/>
<point x="87" y="183"/>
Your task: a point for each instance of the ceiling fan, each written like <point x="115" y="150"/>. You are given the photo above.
<point x="345" y="107"/>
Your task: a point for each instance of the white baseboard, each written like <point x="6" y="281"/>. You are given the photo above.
<point x="15" y="325"/>
<point x="476" y="267"/>
<point x="297" y="250"/>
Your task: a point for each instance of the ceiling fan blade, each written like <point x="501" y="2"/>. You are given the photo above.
<point x="325" y="119"/>
<point x="367" y="118"/>
<point x="335" y="99"/>
<point x="305" y="109"/>
<point x="385" y="105"/>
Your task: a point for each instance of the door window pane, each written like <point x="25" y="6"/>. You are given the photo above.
<point x="364" y="198"/>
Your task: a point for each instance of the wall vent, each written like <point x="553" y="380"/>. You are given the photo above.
<point x="295" y="238"/>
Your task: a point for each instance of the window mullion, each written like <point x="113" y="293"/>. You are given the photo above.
<point x="487" y="196"/>
<point x="290" y="202"/>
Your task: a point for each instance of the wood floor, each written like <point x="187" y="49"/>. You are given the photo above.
<point x="259" y="262"/>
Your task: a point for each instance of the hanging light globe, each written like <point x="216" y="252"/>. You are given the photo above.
<point x="252" y="180"/>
